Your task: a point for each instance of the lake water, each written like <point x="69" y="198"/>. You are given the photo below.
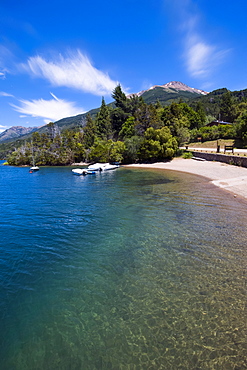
<point x="129" y="269"/>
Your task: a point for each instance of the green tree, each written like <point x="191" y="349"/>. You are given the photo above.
<point x="195" y="119"/>
<point x="53" y="130"/>
<point x="180" y="114"/>
<point x="118" y="118"/>
<point x="36" y="139"/>
<point x="89" y="132"/>
<point x="116" y="151"/>
<point x="146" y="116"/>
<point x="103" y="122"/>
<point x="183" y="135"/>
<point x="227" y="108"/>
<point x="132" y="146"/>
<point x="128" y="105"/>
<point x="201" y="115"/>
<point x="181" y="118"/>
<point x="241" y="128"/>
<point x="128" y="128"/>
<point x="158" y="144"/>
<point x="120" y="98"/>
<point x="135" y="102"/>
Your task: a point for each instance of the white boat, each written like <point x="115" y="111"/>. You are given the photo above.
<point x="82" y="171"/>
<point x="34" y="168"/>
<point x="109" y="166"/>
<point x="102" y="167"/>
<point x="96" y="166"/>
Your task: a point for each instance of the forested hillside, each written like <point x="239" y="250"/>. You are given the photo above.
<point x="131" y="129"/>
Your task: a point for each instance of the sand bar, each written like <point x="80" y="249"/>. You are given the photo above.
<point x="225" y="176"/>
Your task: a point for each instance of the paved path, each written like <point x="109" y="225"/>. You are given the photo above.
<point x="243" y="151"/>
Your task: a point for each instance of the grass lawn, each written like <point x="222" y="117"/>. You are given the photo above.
<point x="212" y="144"/>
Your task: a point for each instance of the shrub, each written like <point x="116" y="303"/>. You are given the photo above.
<point x="187" y="155"/>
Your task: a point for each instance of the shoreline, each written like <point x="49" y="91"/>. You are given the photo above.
<point x="225" y="176"/>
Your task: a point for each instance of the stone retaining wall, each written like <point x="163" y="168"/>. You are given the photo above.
<point x="230" y="159"/>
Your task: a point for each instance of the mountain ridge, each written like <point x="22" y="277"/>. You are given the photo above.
<point x="15" y="132"/>
<point x="171" y="86"/>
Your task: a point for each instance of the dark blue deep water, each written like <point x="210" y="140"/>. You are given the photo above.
<point x="130" y="269"/>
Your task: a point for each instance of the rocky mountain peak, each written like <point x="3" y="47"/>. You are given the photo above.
<point x="174" y="86"/>
<point x="177" y="85"/>
<point x="15" y="132"/>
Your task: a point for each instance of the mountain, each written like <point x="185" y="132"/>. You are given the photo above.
<point x="171" y="91"/>
<point x="173" y="87"/>
<point x="16" y="132"/>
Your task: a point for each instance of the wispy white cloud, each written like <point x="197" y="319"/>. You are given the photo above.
<point x="50" y="110"/>
<point x="201" y="55"/>
<point x="2" y="93"/>
<point x="73" y="71"/>
<point x="198" y="56"/>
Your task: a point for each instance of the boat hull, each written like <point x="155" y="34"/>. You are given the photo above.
<point x="83" y="172"/>
<point x="103" y="166"/>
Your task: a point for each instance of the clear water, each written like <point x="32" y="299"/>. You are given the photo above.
<point x="130" y="269"/>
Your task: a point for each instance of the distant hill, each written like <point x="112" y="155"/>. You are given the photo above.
<point x="211" y="101"/>
<point x="16" y="132"/>
<point x="76" y="121"/>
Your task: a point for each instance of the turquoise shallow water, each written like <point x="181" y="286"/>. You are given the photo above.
<point x="130" y="269"/>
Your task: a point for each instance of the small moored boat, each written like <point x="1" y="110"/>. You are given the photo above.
<point x="102" y="166"/>
<point x="82" y="171"/>
<point x="34" y="168"/>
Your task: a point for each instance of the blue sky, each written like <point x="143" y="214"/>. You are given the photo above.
<point x="58" y="59"/>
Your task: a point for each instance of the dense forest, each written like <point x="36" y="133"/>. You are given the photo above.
<point x="132" y="130"/>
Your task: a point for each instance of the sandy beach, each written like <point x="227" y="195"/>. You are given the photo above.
<point x="225" y="176"/>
